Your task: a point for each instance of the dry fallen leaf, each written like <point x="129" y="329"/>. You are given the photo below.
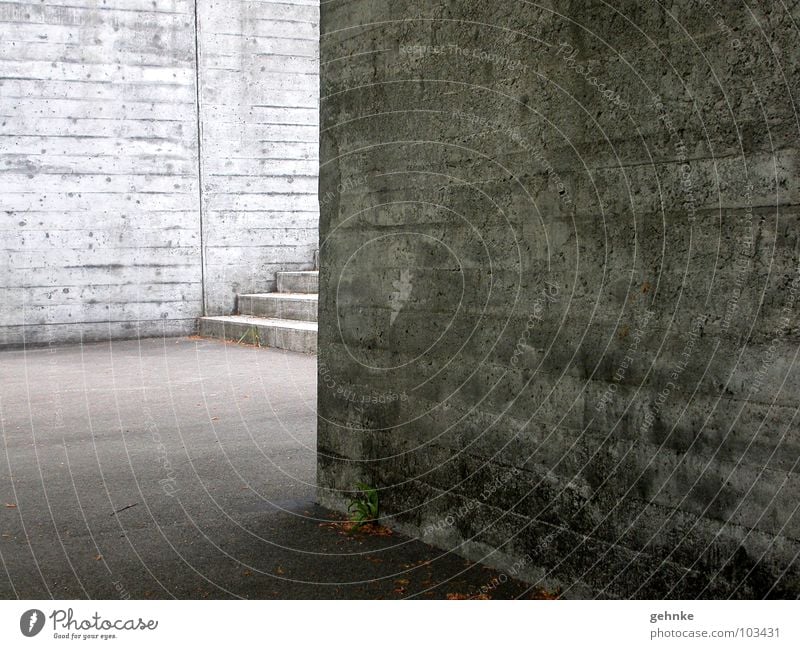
<point x="541" y="593"/>
<point x="98" y="557"/>
<point x="11" y="505"/>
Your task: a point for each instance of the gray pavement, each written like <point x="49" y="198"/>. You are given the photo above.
<point x="184" y="468"/>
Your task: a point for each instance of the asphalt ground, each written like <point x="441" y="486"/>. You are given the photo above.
<point x="185" y="468"/>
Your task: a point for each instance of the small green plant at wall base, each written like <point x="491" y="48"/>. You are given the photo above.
<point x="253" y="336"/>
<point x="364" y="507"/>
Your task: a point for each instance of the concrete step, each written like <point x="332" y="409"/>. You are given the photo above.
<point x="292" y="335"/>
<point x="285" y="306"/>
<point x="306" y="281"/>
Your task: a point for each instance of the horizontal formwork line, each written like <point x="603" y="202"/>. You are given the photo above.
<point x="253" y="229"/>
<point x="218" y="159"/>
<point x="104" y="212"/>
<point x="77" y="193"/>
<point x="274" y="21"/>
<point x="247" y="193"/>
<point x="268" y="106"/>
<point x="235" y="54"/>
<point x="261" y="176"/>
<point x="146" y="138"/>
<point x="46" y="118"/>
<point x="268" y="141"/>
<point x="103" y="82"/>
<point x="37" y="41"/>
<point x="81" y="174"/>
<point x="119" y="67"/>
<point x="93" y="8"/>
<point x="110" y="266"/>
<point x="102" y="61"/>
<point x="272" y="158"/>
<point x="134" y="301"/>
<point x="291" y="73"/>
<point x="270" y="38"/>
<point x="265" y="212"/>
<point x="290" y="55"/>
<point x="239" y="55"/>
<point x="287" y="20"/>
<point x="115" y="228"/>
<point x="88" y="322"/>
<point x="153" y="157"/>
<point x="56" y="287"/>
<point x="285" y="4"/>
<point x="228" y="246"/>
<point x="77" y="25"/>
<point x="26" y="251"/>
<point x="244" y="211"/>
<point x="100" y="100"/>
<point x="239" y="70"/>
<point x="219" y="122"/>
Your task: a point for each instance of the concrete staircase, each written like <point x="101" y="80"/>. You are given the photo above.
<point x="286" y="319"/>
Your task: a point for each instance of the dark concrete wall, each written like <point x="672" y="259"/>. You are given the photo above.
<point x="558" y="288"/>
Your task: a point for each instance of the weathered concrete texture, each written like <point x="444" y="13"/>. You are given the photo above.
<point x="101" y="233"/>
<point x="99" y="228"/>
<point x="286" y="320"/>
<point x="259" y="102"/>
<point x="289" y="306"/>
<point x="294" y="335"/>
<point x="559" y="283"/>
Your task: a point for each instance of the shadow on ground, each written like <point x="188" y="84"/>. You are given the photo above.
<point x="185" y="468"/>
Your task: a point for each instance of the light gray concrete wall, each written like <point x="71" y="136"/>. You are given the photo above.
<point x="99" y="226"/>
<point x="259" y="71"/>
<point x="559" y="287"/>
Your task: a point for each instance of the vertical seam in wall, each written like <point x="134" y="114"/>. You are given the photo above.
<point x="199" y="156"/>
